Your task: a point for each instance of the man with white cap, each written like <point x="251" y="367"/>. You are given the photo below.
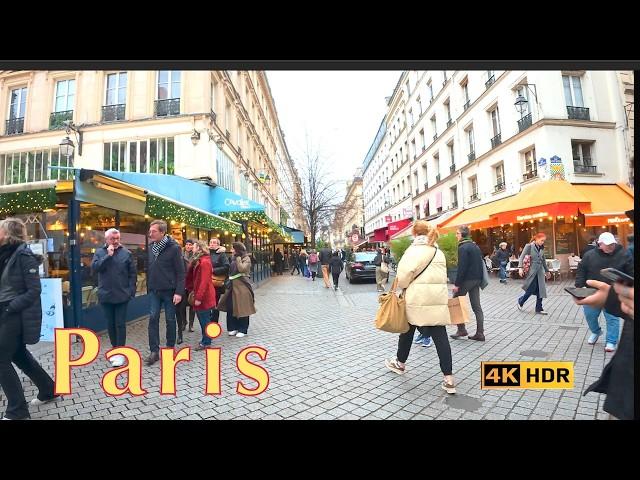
<point x="609" y="254"/>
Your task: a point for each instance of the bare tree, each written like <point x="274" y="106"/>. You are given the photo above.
<point x="319" y="200"/>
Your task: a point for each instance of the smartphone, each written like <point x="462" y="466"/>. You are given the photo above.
<point x="581" y="292"/>
<point x="617" y="276"/>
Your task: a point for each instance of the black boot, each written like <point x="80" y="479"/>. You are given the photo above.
<point x="462" y="332"/>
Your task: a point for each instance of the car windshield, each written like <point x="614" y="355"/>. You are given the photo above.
<point x="365" y="256"/>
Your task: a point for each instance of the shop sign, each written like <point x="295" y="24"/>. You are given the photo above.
<point x="618" y="220"/>
<point x="242" y="203"/>
<point x="387" y="219"/>
<point x="522" y="218"/>
<point x="354" y="237"/>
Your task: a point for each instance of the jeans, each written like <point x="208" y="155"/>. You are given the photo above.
<point x="439" y="335"/>
<point x="240" y="324"/>
<point x="204" y="317"/>
<point x="116" y="314"/>
<point x="157" y="299"/>
<point x="532" y="290"/>
<point x="503" y="270"/>
<point x="472" y="287"/>
<point x="613" y="323"/>
<point x="13" y="350"/>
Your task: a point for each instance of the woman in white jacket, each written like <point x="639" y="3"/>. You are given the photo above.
<point x="422" y="271"/>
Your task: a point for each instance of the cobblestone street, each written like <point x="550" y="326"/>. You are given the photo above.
<point x="326" y="361"/>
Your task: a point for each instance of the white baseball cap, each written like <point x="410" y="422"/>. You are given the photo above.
<point x="607" y="238"/>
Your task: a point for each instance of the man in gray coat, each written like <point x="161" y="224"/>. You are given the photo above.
<point x="116" y="271"/>
<point x="538" y="272"/>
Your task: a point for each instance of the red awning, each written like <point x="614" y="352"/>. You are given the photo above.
<point x="379" y="235"/>
<point x="395" y="227"/>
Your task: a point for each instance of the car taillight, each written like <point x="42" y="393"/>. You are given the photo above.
<point x="357" y="265"/>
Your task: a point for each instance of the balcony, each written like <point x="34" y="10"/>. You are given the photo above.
<point x="452" y="168"/>
<point x="524" y="123"/>
<point x="454" y="205"/>
<point x="227" y="134"/>
<point x="530" y="175"/>
<point x="437" y="178"/>
<point x="497" y="140"/>
<point x="466" y="105"/>
<point x="449" y="123"/>
<point x="471" y="157"/>
<point x="490" y="81"/>
<point x="164" y="108"/>
<point x="435" y="137"/>
<point x="57" y="119"/>
<point x="499" y="187"/>
<point x="581" y="168"/>
<point x="578" y="113"/>
<point x="113" y="113"/>
<point x="14" y="126"/>
<point x="473" y="197"/>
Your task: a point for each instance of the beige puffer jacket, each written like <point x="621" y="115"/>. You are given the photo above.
<point x="426" y="296"/>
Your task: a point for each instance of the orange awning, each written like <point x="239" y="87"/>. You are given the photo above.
<point x="608" y="204"/>
<point x="543" y="199"/>
<point x="475" y="217"/>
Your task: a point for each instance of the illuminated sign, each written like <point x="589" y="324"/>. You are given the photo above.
<point x="236" y="203"/>
<point x="521" y="218"/>
<point x="618" y="220"/>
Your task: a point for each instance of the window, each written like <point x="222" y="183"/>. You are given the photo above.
<point x="499" y="172"/>
<point x="471" y="141"/>
<point x="424" y="174"/>
<point x="227" y="116"/>
<point x="65" y="95"/>
<point x="225" y="170"/>
<point x="433" y="127"/>
<point x="214" y="86"/>
<point x="582" y="158"/>
<point x="473" y="186"/>
<point x="423" y="139"/>
<point x="115" y="97"/>
<point x="490" y="78"/>
<point x="239" y="134"/>
<point x="495" y="121"/>
<point x="430" y="87"/>
<point x="33" y="166"/>
<point x="419" y="103"/>
<point x="452" y="157"/>
<point x="415" y="181"/>
<point x="436" y="165"/>
<point x="453" y="196"/>
<point x="465" y="94"/>
<point x="411" y="117"/>
<point x="444" y="76"/>
<point x="17" y="108"/>
<point x="530" y="165"/>
<point x="155" y="155"/>
<point x="572" y="91"/>
<point x="413" y="149"/>
<point x="168" y="85"/>
<point x="447" y="108"/>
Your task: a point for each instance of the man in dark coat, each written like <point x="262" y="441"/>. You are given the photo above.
<point x="325" y="257"/>
<point x="220" y="264"/>
<point x="165" y="282"/>
<point x="116" y="271"/>
<point x="468" y="280"/>
<point x="294" y="260"/>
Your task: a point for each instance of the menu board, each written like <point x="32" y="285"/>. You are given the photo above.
<point x="565" y="238"/>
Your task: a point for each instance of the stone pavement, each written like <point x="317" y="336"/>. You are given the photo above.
<point x="326" y="361"/>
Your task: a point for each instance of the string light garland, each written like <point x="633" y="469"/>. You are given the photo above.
<point x="28" y="201"/>
<point x="160" y="208"/>
<point x="261" y="218"/>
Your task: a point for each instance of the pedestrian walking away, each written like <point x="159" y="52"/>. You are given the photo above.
<point x="382" y="273"/>
<point x="422" y="271"/>
<point x="295" y="262"/>
<point x="20" y="320"/>
<point x="238" y="299"/>
<point x="336" y="267"/>
<point x="471" y="271"/>
<point x="532" y="257"/>
<point x="609" y="254"/>
<point x="313" y="264"/>
<point x="116" y="270"/>
<point x="502" y="257"/>
<point x="325" y="257"/>
<point x="165" y="282"/>
<point x="303" y="258"/>
<point x="198" y="281"/>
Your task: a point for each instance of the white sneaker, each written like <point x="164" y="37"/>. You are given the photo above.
<point x="593" y="338"/>
<point x="240" y="334"/>
<point x="37" y="402"/>
<point x="610" y="347"/>
<point x="232" y="333"/>
<point x="118" y="360"/>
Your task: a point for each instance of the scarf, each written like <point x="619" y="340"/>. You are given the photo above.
<point x="157" y="247"/>
<point x="421" y="240"/>
<point x="6" y="251"/>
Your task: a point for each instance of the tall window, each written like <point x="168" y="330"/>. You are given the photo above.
<point x="473" y="186"/>
<point x="411" y="117"/>
<point x="168" y="84"/>
<point x="433" y="127"/>
<point x="419" y="103"/>
<point x="116" y="89"/>
<point x="424" y="174"/>
<point x="155" y="155"/>
<point x="465" y="94"/>
<point x="413" y="149"/>
<point x="583" y="161"/>
<point x="436" y="165"/>
<point x="495" y="121"/>
<point x="530" y="166"/>
<point x="430" y="88"/>
<point x="470" y="140"/>
<point x="227" y="116"/>
<point x="65" y="95"/>
<point x="214" y="86"/>
<point x="225" y="170"/>
<point x="452" y="157"/>
<point x="33" y="166"/>
<point x="499" y="170"/>
<point x="423" y="139"/>
<point x="447" y="108"/>
<point x="453" y="196"/>
<point x="572" y="91"/>
<point x="115" y="156"/>
<point x="18" y="103"/>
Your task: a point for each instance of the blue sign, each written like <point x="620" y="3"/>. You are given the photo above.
<point x="542" y="161"/>
<point x="51" y="298"/>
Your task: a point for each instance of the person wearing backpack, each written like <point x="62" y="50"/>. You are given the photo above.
<point x="313" y="264"/>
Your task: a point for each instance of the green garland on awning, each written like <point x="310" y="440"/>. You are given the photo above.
<point x="160" y="208"/>
<point x="259" y="217"/>
<point x="28" y="201"/>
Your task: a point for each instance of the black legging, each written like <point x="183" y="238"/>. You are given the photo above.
<point x="438" y="334"/>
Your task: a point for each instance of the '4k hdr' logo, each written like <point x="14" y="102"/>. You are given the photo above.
<point x="523" y="375"/>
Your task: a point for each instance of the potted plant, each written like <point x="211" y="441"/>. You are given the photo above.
<point x="399" y="246"/>
<point x="449" y="246"/>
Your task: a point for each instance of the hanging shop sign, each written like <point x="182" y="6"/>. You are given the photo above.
<point x="522" y="218"/>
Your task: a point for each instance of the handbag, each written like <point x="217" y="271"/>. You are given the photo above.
<point x="191" y="299"/>
<point x="526" y="264"/>
<point x="391" y="316"/>
<point x="485" y="279"/>
<point x="459" y="309"/>
<point x="218" y="280"/>
<point x="384" y="267"/>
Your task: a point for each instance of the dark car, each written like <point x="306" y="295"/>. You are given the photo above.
<point x="360" y="265"/>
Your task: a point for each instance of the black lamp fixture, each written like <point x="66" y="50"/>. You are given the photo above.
<point x="521" y="102"/>
<point x="195" y="137"/>
<point x="66" y="145"/>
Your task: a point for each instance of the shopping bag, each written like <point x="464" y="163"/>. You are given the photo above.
<point x="384" y="267"/>
<point x="459" y="309"/>
<point x="391" y="316"/>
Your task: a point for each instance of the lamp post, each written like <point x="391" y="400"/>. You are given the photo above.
<point x="66" y="145"/>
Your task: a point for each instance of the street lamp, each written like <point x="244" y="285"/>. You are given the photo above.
<point x="195" y="137"/>
<point x="66" y="145"/>
<point x="521" y="101"/>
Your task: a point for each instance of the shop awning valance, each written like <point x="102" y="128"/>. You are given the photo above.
<point x="475" y="217"/>
<point x="608" y="204"/>
<point x="27" y="197"/>
<point x="379" y="235"/>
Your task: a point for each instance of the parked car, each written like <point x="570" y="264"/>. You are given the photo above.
<point x="360" y="266"/>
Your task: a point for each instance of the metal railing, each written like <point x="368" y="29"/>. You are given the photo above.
<point x="466" y="105"/>
<point x="169" y="106"/>
<point x="524" y="123"/>
<point x="14" y="125"/>
<point x="472" y="156"/>
<point x="490" y="81"/>
<point x="529" y="175"/>
<point x="435" y="137"/>
<point x="437" y="178"/>
<point x="473" y="197"/>
<point x="57" y="119"/>
<point x="578" y="113"/>
<point x="113" y="113"/>
<point x="499" y="187"/>
<point x="579" y="168"/>
<point x="497" y="140"/>
<point x="454" y="205"/>
<point x="449" y="123"/>
<point x="452" y="167"/>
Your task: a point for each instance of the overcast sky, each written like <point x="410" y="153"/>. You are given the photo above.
<point x="340" y="111"/>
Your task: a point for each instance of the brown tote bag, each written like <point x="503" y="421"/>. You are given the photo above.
<point x="459" y="309"/>
<point x="391" y="316"/>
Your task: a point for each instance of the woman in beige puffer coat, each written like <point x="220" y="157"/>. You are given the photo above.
<point x="426" y="299"/>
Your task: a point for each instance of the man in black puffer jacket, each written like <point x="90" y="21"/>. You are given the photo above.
<point x="609" y="254"/>
<point x="20" y="320"/>
<point x="468" y="280"/>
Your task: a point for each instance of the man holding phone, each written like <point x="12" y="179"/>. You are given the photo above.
<point x="609" y="254"/>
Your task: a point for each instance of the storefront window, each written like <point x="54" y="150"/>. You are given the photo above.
<point x="94" y="221"/>
<point x="565" y="237"/>
<point x="133" y="235"/>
